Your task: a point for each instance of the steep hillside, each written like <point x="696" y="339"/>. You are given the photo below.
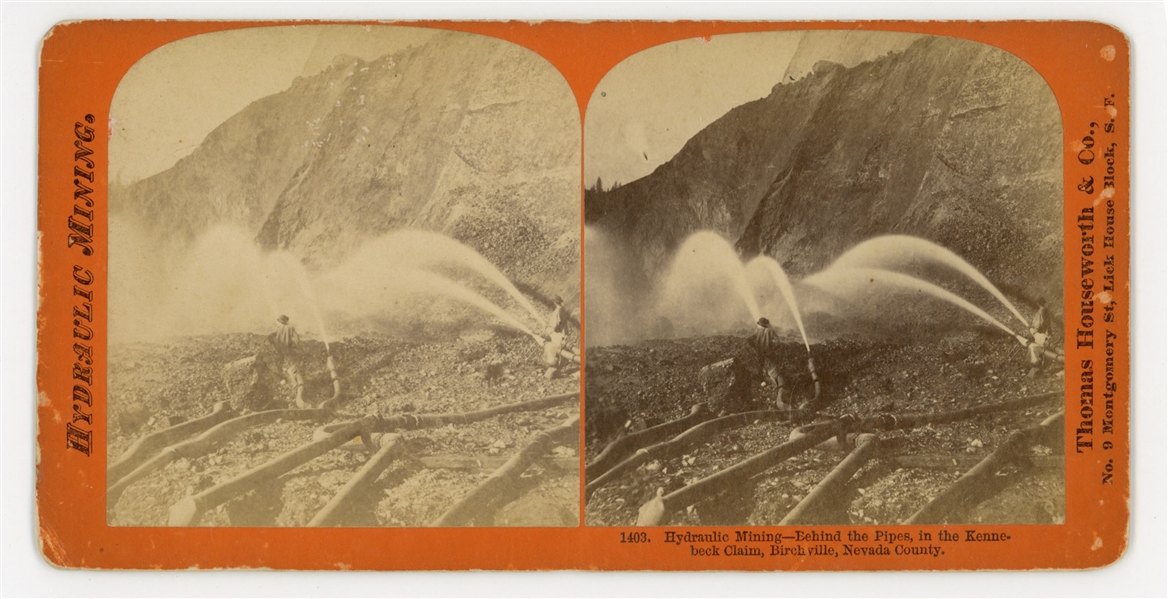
<point x="953" y="141"/>
<point x="466" y="135"/>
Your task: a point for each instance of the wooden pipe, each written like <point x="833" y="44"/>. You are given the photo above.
<point x="204" y="444"/>
<point x="390" y="448"/>
<point x="476" y="504"/>
<point x="147" y="445"/>
<point x="959" y="493"/>
<point x="621" y="448"/>
<point x="189" y="510"/>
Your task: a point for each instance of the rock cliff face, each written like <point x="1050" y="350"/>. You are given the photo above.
<point x="468" y="136"/>
<point x="953" y="141"/>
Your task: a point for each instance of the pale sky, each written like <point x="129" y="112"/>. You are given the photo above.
<point x="173" y="97"/>
<point x="649" y="105"/>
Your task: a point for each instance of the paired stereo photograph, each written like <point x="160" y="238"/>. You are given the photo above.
<point x="798" y="293"/>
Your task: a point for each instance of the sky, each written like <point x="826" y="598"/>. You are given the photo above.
<point x="649" y="105"/>
<point x="173" y="97"/>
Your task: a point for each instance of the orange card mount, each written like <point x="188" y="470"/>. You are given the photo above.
<point x="611" y="296"/>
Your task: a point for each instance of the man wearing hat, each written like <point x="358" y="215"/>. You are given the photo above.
<point x="765" y="343"/>
<point x="1039" y="333"/>
<point x="285" y="338"/>
<point x="287" y="343"/>
<point x="558" y="321"/>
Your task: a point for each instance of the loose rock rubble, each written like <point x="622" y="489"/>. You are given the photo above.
<point x="660" y="380"/>
<point x="183" y="378"/>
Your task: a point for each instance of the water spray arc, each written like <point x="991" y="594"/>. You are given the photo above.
<point x="890" y="251"/>
<point x="311" y="297"/>
<point x="708" y="252"/>
<point x="426" y="250"/>
<point x="430" y="283"/>
<point x="779" y="276"/>
<point x="850" y="282"/>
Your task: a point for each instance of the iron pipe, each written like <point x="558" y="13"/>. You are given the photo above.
<point x="681" y="442"/>
<point x="421" y="421"/>
<point x="814" y="381"/>
<point x="332" y="402"/>
<point x="889" y="422"/>
<point x="659" y="508"/>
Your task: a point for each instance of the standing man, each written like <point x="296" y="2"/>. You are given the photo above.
<point x="557" y="356"/>
<point x="287" y="343"/>
<point x="558" y="320"/>
<point x="1039" y="334"/>
<point x="551" y="354"/>
<point x="765" y="343"/>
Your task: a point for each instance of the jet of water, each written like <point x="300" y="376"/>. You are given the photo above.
<point x="784" y="284"/>
<point x="426" y="249"/>
<point x="315" y="306"/>
<point x="893" y="251"/>
<point x="850" y="283"/>
<point x="706" y="252"/>
<point x="224" y="283"/>
<point x="382" y="289"/>
<point x="284" y="266"/>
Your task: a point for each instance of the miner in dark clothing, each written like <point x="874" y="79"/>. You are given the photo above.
<point x="558" y="320"/>
<point x="765" y="343"/>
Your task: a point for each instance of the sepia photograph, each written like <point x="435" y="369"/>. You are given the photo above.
<point x="824" y="285"/>
<point x="344" y="282"/>
<point x="665" y="296"/>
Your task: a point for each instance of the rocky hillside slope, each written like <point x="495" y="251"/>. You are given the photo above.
<point x="953" y="141"/>
<point x="468" y="136"/>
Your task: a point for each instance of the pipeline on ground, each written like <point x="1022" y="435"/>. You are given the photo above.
<point x="477" y="504"/>
<point x="822" y="433"/>
<point x="189" y="510"/>
<point x="205" y="443"/>
<point x="389" y="449"/>
<point x="865" y="447"/>
<point x="370" y="429"/>
<point x="223" y="423"/>
<point x="621" y="448"/>
<point x="153" y="442"/>
<point x="889" y="422"/>
<point x="405" y="422"/>
<point x="962" y="493"/>
<point x="657" y="510"/>
<point x="686" y="439"/>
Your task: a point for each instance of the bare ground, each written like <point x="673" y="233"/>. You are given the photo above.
<point x="156" y="384"/>
<point x="632" y="387"/>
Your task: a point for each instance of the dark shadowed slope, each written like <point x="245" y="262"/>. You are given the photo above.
<point x="953" y="141"/>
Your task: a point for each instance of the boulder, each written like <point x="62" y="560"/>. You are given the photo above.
<point x="728" y="384"/>
<point x="251" y="382"/>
